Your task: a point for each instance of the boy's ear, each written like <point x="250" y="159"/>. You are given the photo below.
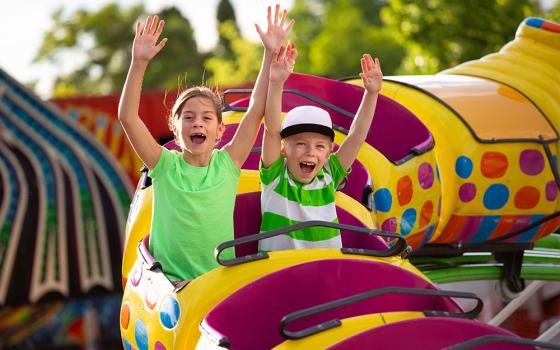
<point x="282" y="149"/>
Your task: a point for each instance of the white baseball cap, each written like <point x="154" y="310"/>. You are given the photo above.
<point x="307" y="119"/>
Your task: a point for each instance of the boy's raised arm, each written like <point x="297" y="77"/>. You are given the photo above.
<point x="144" y="48"/>
<point x="280" y="69"/>
<point x="371" y="78"/>
<point x="275" y="35"/>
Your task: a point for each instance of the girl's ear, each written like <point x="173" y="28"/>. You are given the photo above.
<point x="221" y="129"/>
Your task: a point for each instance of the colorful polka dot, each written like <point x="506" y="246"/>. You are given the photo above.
<point x="531" y="162"/>
<point x="425" y="175"/>
<point x="467" y="192"/>
<point x="527" y="197"/>
<point x="496" y="196"/>
<point x="407" y="221"/>
<point x="404" y="190"/>
<point x="437" y="173"/>
<point x="426" y="214"/>
<point x="136" y="274"/>
<point x="390" y="225"/>
<point x="383" y="200"/>
<point x="169" y="312"/>
<point x="439" y="206"/>
<point x="152" y="297"/>
<point x="141" y="335"/>
<point x="551" y="191"/>
<point x="159" y="346"/>
<point x="125" y="316"/>
<point x="126" y="344"/>
<point x="463" y="167"/>
<point x="493" y="164"/>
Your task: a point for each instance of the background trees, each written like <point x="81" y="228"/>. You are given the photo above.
<point x="409" y="37"/>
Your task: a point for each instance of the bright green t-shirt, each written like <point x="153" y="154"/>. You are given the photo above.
<point x="192" y="212"/>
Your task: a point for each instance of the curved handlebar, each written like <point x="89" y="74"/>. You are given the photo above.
<point x="398" y="248"/>
<point x="294" y="316"/>
<point x="495" y="338"/>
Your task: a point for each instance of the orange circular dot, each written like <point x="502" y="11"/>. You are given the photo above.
<point x="493" y="164"/>
<point x="125" y="316"/>
<point x="426" y="214"/>
<point x="404" y="190"/>
<point x="527" y="197"/>
<point x="151" y="297"/>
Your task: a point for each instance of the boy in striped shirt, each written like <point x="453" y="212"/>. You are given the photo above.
<point x="299" y="174"/>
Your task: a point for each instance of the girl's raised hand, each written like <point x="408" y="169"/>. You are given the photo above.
<point x="371" y="74"/>
<point x="276" y="32"/>
<point x="145" y="45"/>
<point x="283" y="63"/>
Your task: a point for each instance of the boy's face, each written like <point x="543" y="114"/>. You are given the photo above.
<point x="305" y="154"/>
<point x="198" y="126"/>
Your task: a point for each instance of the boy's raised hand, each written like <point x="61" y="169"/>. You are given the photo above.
<point x="371" y="74"/>
<point x="283" y="63"/>
<point x="276" y="33"/>
<point x="145" y="45"/>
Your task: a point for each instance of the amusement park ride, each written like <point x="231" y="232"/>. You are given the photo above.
<point x="457" y="165"/>
<point x="458" y="181"/>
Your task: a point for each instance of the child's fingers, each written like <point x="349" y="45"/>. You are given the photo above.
<point x="269" y="15"/>
<point x="154" y="25"/>
<point x="283" y="19"/>
<point x="147" y="25"/>
<point x="276" y="10"/>
<point x="363" y="64"/>
<point x="138" y="27"/>
<point x="161" y="44"/>
<point x="290" y="26"/>
<point x="160" y="28"/>
<point x="259" y="30"/>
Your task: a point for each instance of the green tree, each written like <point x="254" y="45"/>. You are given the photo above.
<point x="443" y="33"/>
<point x="335" y="34"/>
<point x="98" y="44"/>
<point x="225" y="13"/>
<point x="244" y="64"/>
<point x="554" y="13"/>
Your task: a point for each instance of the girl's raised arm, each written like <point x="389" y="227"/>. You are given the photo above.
<point x="144" y="48"/>
<point x="274" y="37"/>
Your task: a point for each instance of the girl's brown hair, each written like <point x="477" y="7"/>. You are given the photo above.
<point x="195" y="91"/>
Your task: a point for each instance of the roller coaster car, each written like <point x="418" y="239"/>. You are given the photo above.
<point x="460" y="161"/>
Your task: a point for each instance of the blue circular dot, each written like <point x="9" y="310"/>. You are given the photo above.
<point x="407" y="221"/>
<point x="496" y="196"/>
<point x="169" y="312"/>
<point x="141" y="335"/>
<point x="463" y="167"/>
<point x="126" y="344"/>
<point x="437" y="173"/>
<point x="555" y="161"/>
<point x="383" y="200"/>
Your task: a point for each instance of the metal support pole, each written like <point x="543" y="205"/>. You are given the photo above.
<point x="516" y="303"/>
<point x="550" y="333"/>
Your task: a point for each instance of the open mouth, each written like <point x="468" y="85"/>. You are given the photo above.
<point x="307" y="167"/>
<point x="198" y="138"/>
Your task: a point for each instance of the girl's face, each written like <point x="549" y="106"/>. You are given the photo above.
<point x="305" y="154"/>
<point x="197" y="126"/>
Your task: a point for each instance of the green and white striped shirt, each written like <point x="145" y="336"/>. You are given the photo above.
<point x="285" y="201"/>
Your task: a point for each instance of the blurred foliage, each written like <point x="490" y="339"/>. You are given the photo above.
<point x="440" y="34"/>
<point x="554" y="13"/>
<point x="225" y="13"/>
<point x="99" y="47"/>
<point x="408" y="36"/>
<point x="242" y="67"/>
